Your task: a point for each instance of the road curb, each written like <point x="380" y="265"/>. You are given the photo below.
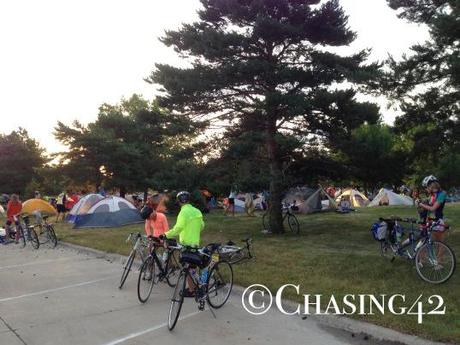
<point x="342" y="323"/>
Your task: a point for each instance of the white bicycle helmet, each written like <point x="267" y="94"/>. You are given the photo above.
<point x="429" y="179"/>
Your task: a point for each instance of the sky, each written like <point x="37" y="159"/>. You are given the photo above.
<point x="60" y="60"/>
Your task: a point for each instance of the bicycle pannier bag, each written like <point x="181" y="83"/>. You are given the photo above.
<point x="379" y="231"/>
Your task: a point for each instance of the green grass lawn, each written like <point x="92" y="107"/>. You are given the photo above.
<point x="334" y="254"/>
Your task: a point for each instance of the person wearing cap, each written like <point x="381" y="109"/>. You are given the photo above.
<point x="189" y="222"/>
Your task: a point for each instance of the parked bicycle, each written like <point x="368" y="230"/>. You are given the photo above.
<point x="212" y="285"/>
<point x="162" y="264"/>
<point x="235" y="254"/>
<point x="288" y="214"/>
<point x="47" y="235"/>
<point x="24" y="232"/>
<point x="139" y="243"/>
<point x="435" y="261"/>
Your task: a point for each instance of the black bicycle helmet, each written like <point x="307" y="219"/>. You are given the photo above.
<point x="183" y="197"/>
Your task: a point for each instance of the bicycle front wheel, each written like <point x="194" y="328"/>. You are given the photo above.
<point x="146" y="280"/>
<point x="173" y="268"/>
<point x="435" y="262"/>
<point x="34" y="238"/>
<point x="220" y="284"/>
<point x="127" y="268"/>
<point x="177" y="300"/>
<point x="293" y="224"/>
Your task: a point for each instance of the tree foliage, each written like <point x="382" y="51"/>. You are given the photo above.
<point x="427" y="82"/>
<point x="20" y="157"/>
<point x="127" y="147"/>
<point x="268" y="60"/>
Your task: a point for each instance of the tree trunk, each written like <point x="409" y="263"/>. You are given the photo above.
<point x="122" y="191"/>
<point x="276" y="180"/>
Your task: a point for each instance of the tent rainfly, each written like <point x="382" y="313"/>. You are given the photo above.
<point x="83" y="206"/>
<point x="109" y="212"/>
<point x="388" y="197"/>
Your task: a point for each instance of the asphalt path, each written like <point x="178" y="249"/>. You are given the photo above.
<point x="65" y="296"/>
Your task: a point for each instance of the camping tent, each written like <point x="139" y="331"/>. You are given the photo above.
<point x="309" y="200"/>
<point x="109" y="212"/>
<point x="82" y="206"/>
<point x="41" y="205"/>
<point x="388" y="197"/>
<point x="357" y="199"/>
<point x="319" y="201"/>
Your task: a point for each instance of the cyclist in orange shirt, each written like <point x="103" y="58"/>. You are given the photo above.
<point x="13" y="210"/>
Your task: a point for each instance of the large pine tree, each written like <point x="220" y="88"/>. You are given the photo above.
<point x="268" y="59"/>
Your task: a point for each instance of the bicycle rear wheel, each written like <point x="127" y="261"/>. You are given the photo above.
<point x="127" y="268"/>
<point x="173" y="268"/>
<point x="51" y="234"/>
<point x="146" y="279"/>
<point x="21" y="236"/>
<point x="177" y="300"/>
<point x="34" y="238"/>
<point x="220" y="284"/>
<point x="435" y="262"/>
<point x="293" y="223"/>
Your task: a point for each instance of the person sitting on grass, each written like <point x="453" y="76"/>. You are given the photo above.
<point x="344" y="205"/>
<point x="13" y="209"/>
<point x="188" y="227"/>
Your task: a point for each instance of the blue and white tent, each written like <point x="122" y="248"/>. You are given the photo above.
<point x="109" y="212"/>
<point x="83" y="206"/>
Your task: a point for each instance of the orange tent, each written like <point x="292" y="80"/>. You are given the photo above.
<point x="32" y="205"/>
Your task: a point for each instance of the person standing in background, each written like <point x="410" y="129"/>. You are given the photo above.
<point x="231" y="203"/>
<point x="60" y="205"/>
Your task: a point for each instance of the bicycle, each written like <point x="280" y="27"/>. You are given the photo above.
<point x="215" y="281"/>
<point x="25" y="232"/>
<point x="139" y="246"/>
<point x="435" y="261"/>
<point x="168" y="268"/>
<point x="47" y="234"/>
<point x="292" y="220"/>
<point x="234" y="254"/>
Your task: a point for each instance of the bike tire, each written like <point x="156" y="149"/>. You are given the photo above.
<point x="173" y="268"/>
<point x="52" y="236"/>
<point x="221" y="273"/>
<point x="127" y="268"/>
<point x="386" y="251"/>
<point x="293" y="223"/>
<point x="430" y="250"/>
<point x="22" y="237"/>
<point x="34" y="239"/>
<point x="147" y="268"/>
<point x="177" y="300"/>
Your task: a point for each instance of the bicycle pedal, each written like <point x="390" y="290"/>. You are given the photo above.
<point x="201" y="306"/>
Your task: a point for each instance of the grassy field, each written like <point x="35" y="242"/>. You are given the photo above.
<point x="334" y="254"/>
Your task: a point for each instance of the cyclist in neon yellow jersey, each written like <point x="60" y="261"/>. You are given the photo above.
<point x="189" y="222"/>
<point x="188" y="227"/>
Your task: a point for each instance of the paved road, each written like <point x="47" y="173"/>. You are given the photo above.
<point x="64" y="296"/>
